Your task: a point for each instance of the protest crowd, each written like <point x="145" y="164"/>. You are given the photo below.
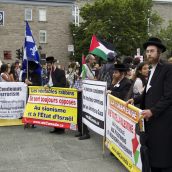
<point x="147" y="85"/>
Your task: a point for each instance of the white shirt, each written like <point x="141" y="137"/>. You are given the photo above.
<point x="88" y="74"/>
<point x="138" y="85"/>
<point x="3" y="80"/>
<point x="150" y="77"/>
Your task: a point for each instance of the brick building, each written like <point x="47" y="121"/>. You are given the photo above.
<point x="164" y="8"/>
<point x="49" y="25"/>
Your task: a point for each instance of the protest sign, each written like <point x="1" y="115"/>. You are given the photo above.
<point x="140" y="57"/>
<point x="54" y="107"/>
<point x="12" y="99"/>
<point x="94" y="102"/>
<point x="122" y="139"/>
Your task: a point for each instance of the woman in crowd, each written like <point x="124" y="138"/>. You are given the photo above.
<point x="139" y="77"/>
<point x="72" y="75"/>
<point x="4" y="73"/>
<point x="63" y="68"/>
<point x="13" y="74"/>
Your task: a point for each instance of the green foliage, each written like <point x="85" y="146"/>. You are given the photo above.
<point x="116" y="21"/>
<point x="165" y="34"/>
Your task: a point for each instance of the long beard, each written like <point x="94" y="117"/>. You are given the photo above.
<point x="153" y="61"/>
<point x="116" y="80"/>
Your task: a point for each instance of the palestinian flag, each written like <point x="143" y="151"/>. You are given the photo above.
<point x="100" y="47"/>
<point x="50" y="84"/>
<point x="83" y="67"/>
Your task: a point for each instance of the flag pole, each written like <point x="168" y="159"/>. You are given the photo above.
<point x="27" y="68"/>
<point x="82" y="96"/>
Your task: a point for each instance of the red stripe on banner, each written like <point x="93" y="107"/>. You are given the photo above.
<point x="52" y="96"/>
<point x="50" y="104"/>
<point x="49" y="123"/>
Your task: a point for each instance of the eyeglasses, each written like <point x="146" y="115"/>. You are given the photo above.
<point x="150" y="51"/>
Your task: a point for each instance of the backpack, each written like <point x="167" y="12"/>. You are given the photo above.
<point x="106" y="75"/>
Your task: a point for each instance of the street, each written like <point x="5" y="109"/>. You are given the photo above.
<point x="37" y="150"/>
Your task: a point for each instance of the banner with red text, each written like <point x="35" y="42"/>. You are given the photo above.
<point x="122" y="139"/>
<point x="54" y="107"/>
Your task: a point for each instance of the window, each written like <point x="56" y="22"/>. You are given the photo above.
<point x="42" y="14"/>
<point x="28" y="13"/>
<point x="42" y="35"/>
<point x="75" y="15"/>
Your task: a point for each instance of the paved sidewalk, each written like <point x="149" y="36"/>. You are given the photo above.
<point x="37" y="150"/>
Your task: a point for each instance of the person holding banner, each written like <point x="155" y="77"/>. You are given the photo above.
<point x="90" y="60"/>
<point x="156" y="103"/>
<point x="120" y="84"/>
<point x="57" y="79"/>
<point x="34" y="79"/>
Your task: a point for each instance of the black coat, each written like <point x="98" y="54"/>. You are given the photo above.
<point x="58" y="78"/>
<point x="122" y="90"/>
<point x="35" y="78"/>
<point x="158" y="100"/>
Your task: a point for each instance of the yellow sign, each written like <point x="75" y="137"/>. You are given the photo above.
<point x="122" y="139"/>
<point x="55" y="107"/>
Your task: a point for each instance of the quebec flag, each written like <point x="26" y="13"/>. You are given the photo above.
<point x="30" y="51"/>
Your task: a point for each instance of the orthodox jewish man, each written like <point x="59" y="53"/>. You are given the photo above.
<point x="120" y="84"/>
<point x="34" y="79"/>
<point x="156" y="103"/>
<point x="58" y="80"/>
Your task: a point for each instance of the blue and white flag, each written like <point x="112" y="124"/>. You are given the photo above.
<point x="30" y="51"/>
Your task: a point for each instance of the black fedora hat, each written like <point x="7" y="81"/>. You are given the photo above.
<point x="50" y="59"/>
<point x="120" y="67"/>
<point x="32" y="65"/>
<point x="154" y="41"/>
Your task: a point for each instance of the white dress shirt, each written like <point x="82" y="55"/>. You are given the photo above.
<point x="150" y="77"/>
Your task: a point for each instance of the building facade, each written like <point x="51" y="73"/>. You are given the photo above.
<point x="49" y="23"/>
<point x="164" y="9"/>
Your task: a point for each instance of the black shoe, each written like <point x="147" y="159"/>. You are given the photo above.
<point x="54" y="131"/>
<point x="112" y="154"/>
<point x="27" y="125"/>
<point x="60" y="132"/>
<point x="84" y="137"/>
<point x="33" y="126"/>
<point x="78" y="135"/>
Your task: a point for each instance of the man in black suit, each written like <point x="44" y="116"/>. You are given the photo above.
<point x="58" y="80"/>
<point x="156" y="103"/>
<point x="34" y="79"/>
<point x="120" y="84"/>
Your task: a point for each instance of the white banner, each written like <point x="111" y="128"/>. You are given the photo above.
<point x="94" y="103"/>
<point x="12" y="99"/>
<point x="121" y="136"/>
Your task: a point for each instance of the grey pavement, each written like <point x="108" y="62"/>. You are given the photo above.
<point x="37" y="150"/>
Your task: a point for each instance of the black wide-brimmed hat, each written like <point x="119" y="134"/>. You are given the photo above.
<point x="32" y="65"/>
<point x="50" y="59"/>
<point x="154" y="41"/>
<point x="120" y="67"/>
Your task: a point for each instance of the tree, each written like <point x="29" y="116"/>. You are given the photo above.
<point x="165" y="34"/>
<point x="116" y="21"/>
